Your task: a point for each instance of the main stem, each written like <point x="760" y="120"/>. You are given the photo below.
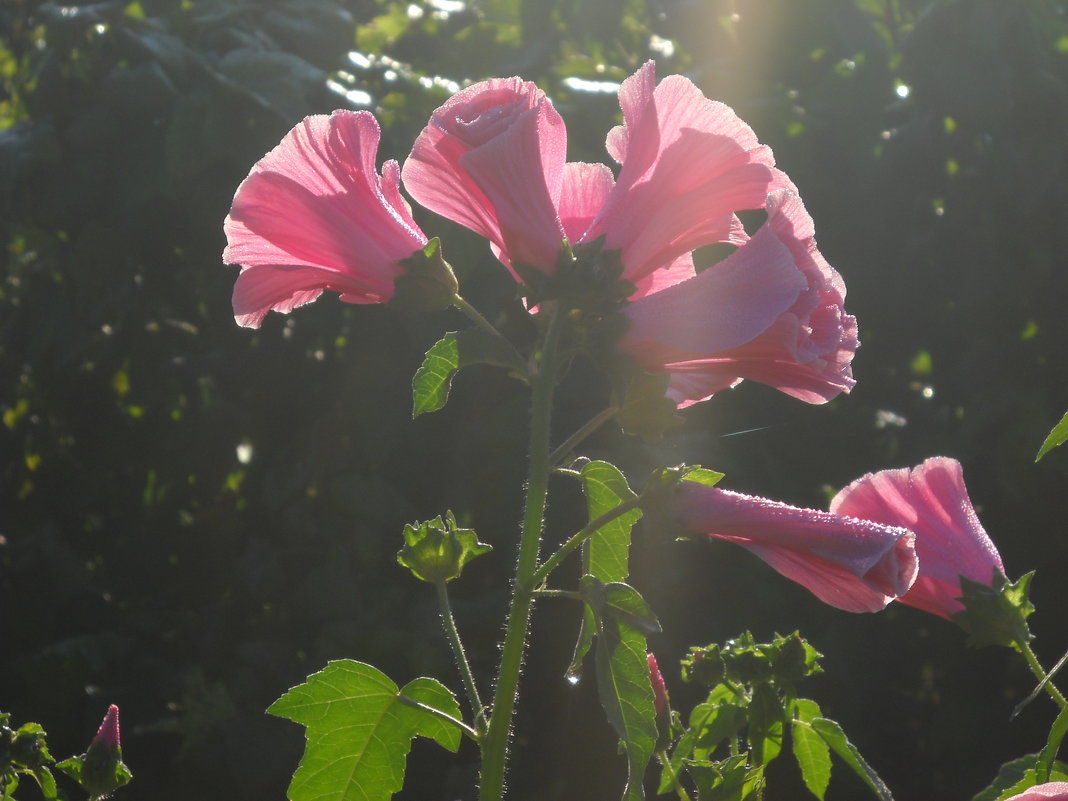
<point x="495" y="743"/>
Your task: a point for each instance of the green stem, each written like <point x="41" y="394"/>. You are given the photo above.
<point x="665" y="761"/>
<point x="1040" y="674"/>
<point x="439" y="714"/>
<point x="495" y="743"/>
<point x="581" y="536"/>
<point x="462" y="664"/>
<point x="592" y="425"/>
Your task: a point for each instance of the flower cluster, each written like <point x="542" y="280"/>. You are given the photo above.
<point x="315" y="215"/>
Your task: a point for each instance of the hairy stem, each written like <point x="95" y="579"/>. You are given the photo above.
<point x="1041" y="675"/>
<point x="495" y="743"/>
<point x="447" y="619"/>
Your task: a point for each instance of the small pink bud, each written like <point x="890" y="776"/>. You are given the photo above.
<point x="108" y="733"/>
<point x="660" y="693"/>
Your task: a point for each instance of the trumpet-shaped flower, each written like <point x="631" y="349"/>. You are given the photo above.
<point x="492" y="159"/>
<point x="855" y="565"/>
<point x="770" y="312"/>
<point x="687" y="164"/>
<point x="314" y="215"/>
<point x="932" y="501"/>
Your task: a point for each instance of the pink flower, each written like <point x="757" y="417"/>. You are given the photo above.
<point x="855" y="565"/>
<point x="687" y="164"/>
<point x="932" y="501"/>
<point x="771" y="312"/>
<point x="313" y="214"/>
<point x="1058" y="791"/>
<point x="492" y="159"/>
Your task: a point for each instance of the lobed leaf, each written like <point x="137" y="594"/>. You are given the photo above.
<point x="359" y="731"/>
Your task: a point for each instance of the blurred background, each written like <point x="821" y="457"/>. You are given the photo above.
<point x="194" y="516"/>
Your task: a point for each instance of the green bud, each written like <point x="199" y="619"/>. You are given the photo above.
<point x="100" y="770"/>
<point x="428" y="283"/>
<point x="437" y="550"/>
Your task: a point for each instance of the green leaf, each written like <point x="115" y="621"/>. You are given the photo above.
<point x="359" y="732"/>
<point x="716" y="721"/>
<point x="833" y="735"/>
<point x="766" y="724"/>
<point x="811" y="752"/>
<point x="1056" y="437"/>
<point x="728" y="780"/>
<point x="624" y="603"/>
<point x="623" y="684"/>
<point x="432" y="381"/>
<point x="587" y="631"/>
<point x="1018" y="775"/>
<point x="607" y="552"/>
<point x="1044" y="765"/>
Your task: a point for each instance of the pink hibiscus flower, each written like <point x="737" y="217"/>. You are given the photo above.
<point x="314" y="215"/>
<point x="932" y="501"/>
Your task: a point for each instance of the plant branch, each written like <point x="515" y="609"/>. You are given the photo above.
<point x="458" y="653"/>
<point x="1044" y="682"/>
<point x="580" y="537"/>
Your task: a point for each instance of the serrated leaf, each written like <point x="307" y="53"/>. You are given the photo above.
<point x="359" y="732"/>
<point x="1056" y="437"/>
<point x="607" y="552"/>
<point x="812" y="753"/>
<point x="766" y="724"/>
<point x="833" y="735"/>
<point x="432" y="381"/>
<point x="626" y="695"/>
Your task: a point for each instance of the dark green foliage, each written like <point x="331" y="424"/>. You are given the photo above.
<point x="194" y="516"/>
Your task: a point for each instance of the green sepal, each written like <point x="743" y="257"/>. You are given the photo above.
<point x="24" y="751"/>
<point x="659" y="494"/>
<point x="996" y="614"/>
<point x="437" y="549"/>
<point x="730" y="779"/>
<point x="1018" y="775"/>
<point x="433" y="379"/>
<point x="100" y="770"/>
<point x="427" y="283"/>
<point x="359" y="730"/>
<point x="1056" y="437"/>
